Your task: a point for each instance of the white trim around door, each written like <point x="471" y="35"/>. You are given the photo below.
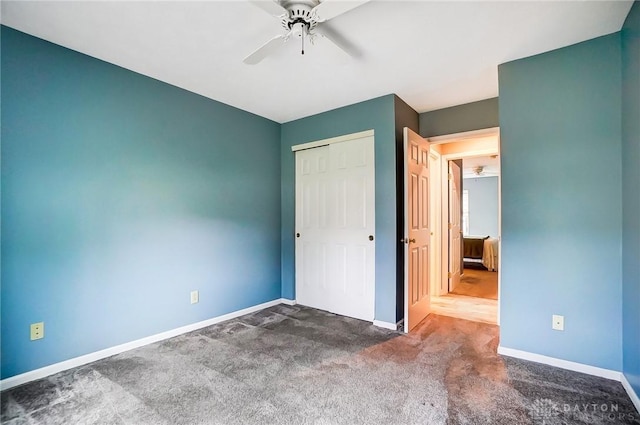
<point x="338" y="139"/>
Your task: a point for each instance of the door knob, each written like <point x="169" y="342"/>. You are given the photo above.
<point x="370" y="237"/>
<point x="412" y="241"/>
<point x="297" y="235"/>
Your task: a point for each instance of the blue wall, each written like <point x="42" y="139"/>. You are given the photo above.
<point x="483" y="205"/>
<point x="460" y="118"/>
<point x="120" y="195"/>
<point x="560" y="115"/>
<point x="377" y="114"/>
<point x="631" y="196"/>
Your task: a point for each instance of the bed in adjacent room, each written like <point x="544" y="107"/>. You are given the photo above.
<point x="480" y="251"/>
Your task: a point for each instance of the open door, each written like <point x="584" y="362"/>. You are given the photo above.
<point x="455" y="233"/>
<point x="416" y="229"/>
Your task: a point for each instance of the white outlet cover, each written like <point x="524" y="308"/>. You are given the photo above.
<point x="557" y="322"/>
<point x="195" y="297"/>
<point x="37" y="331"/>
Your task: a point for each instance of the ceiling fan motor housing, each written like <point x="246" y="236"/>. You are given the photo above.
<point x="300" y="13"/>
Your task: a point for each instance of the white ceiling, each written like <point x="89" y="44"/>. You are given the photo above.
<point x="433" y="54"/>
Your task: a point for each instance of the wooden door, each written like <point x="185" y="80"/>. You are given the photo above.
<point x="417" y="233"/>
<point x="335" y="223"/>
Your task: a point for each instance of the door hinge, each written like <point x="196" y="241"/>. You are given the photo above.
<point x="449" y="275"/>
<point x="450" y="176"/>
<point x="450" y="225"/>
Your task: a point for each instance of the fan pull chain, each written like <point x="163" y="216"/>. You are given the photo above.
<point x="303" y="40"/>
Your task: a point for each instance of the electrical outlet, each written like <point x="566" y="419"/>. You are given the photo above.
<point x="557" y="322"/>
<point x="195" y="297"/>
<point x="37" y="331"/>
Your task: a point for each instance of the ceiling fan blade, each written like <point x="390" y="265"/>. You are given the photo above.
<point x="265" y="50"/>
<point x="329" y="9"/>
<point x="269" y="6"/>
<point x="336" y="38"/>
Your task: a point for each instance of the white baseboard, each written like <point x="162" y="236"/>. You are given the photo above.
<point x="98" y="355"/>
<point x="576" y="367"/>
<point x="563" y="364"/>
<point x="288" y="301"/>
<point x="386" y="325"/>
<point x="632" y="394"/>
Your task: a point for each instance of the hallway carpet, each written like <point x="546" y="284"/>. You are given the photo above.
<point x="297" y="365"/>
<point x="478" y="283"/>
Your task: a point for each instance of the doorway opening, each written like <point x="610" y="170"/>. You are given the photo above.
<point x="465" y="174"/>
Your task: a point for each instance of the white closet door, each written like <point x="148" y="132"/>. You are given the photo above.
<point x="335" y="223"/>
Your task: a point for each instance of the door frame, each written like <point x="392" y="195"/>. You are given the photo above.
<point x="337" y="139"/>
<point x="436" y="220"/>
<point x="480" y="150"/>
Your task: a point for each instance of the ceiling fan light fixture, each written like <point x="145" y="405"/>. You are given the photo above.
<point x="304" y="17"/>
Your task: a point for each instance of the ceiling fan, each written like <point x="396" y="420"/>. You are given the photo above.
<point x="305" y="19"/>
<point x="479" y="170"/>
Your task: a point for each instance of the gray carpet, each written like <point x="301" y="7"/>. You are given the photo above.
<point x="297" y="365"/>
